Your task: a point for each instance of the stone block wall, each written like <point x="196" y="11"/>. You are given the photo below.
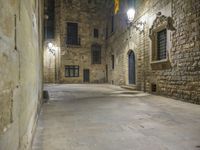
<point x="88" y="15"/>
<point x="21" y="40"/>
<point x="181" y="79"/>
<point x="178" y="77"/>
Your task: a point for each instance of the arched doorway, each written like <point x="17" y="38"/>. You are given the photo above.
<point x="131" y="67"/>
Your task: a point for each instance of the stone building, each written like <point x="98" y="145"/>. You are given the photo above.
<point x="79" y="43"/>
<point x="21" y="55"/>
<point x="86" y="42"/>
<point x="158" y="52"/>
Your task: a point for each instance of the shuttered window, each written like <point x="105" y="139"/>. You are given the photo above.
<point x="49" y="25"/>
<point x="96" y="54"/>
<point x="112" y="23"/>
<point x="113" y="61"/>
<point x="161" y="45"/>
<point x="72" y="33"/>
<point x="96" y="33"/>
<point x="72" y="71"/>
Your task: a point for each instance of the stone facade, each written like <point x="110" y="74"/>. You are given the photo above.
<point x="179" y="76"/>
<point x="89" y="16"/>
<point x="176" y="76"/>
<point x="21" y="40"/>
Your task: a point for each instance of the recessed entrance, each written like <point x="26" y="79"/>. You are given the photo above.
<point x="131" y="67"/>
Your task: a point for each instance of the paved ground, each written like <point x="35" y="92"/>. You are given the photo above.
<point x="103" y="117"/>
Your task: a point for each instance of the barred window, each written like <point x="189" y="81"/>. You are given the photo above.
<point x="72" y="71"/>
<point x="161" y="44"/>
<point x="96" y="54"/>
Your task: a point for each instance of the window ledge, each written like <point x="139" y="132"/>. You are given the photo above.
<point x="97" y="64"/>
<point x="73" y="46"/>
<point x="161" y="64"/>
<point x="159" y="61"/>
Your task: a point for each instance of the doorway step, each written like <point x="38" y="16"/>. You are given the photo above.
<point x="129" y="87"/>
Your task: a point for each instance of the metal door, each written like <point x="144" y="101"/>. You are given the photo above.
<point x="86" y="75"/>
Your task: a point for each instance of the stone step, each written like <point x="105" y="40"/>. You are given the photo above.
<point x="129" y="87"/>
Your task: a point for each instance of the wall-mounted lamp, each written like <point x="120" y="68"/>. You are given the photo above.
<point x="139" y="25"/>
<point x="54" y="50"/>
<point x="51" y="48"/>
<point x="131" y="15"/>
<point x="50" y="45"/>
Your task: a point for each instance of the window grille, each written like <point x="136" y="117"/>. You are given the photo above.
<point x="71" y="71"/>
<point x="161" y="44"/>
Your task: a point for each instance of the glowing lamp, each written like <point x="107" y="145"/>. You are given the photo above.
<point x="131" y="14"/>
<point x="50" y="45"/>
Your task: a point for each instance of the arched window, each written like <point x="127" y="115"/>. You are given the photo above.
<point x="96" y="54"/>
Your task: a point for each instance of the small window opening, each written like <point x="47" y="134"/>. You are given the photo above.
<point x="153" y="88"/>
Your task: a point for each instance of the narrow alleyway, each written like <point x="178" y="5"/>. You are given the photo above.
<point x="105" y="117"/>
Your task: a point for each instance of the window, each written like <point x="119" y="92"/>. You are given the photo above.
<point x="96" y="54"/>
<point x="96" y="33"/>
<point x="161" y="44"/>
<point x="49" y="25"/>
<point x="113" y="61"/>
<point x="112" y="24"/>
<point x="71" y="71"/>
<point x="153" y="87"/>
<point x="69" y="1"/>
<point x="106" y="32"/>
<point x="72" y="34"/>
